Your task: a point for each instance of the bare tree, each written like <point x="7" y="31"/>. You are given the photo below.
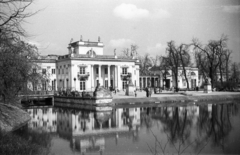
<point x="178" y="58"/>
<point x="208" y="56"/>
<point x="235" y="76"/>
<point x="185" y="60"/>
<point x="227" y="53"/>
<point x="130" y="53"/>
<point x="164" y="67"/>
<point x="145" y="64"/>
<point x="12" y="14"/>
<point x="173" y="60"/>
<point x="126" y="52"/>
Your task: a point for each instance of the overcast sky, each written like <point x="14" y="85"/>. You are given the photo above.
<point x="148" y="23"/>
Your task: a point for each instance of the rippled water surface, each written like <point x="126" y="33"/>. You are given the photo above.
<point x="202" y="129"/>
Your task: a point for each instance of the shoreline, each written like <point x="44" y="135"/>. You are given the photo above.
<point x="181" y="98"/>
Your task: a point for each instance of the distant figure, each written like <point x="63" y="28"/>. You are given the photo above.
<point x="150" y="92"/>
<point x="147" y="93"/>
<point x="135" y="93"/>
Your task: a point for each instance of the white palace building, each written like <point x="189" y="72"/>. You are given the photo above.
<point x="85" y="66"/>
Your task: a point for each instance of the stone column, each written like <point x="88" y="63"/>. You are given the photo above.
<point x="110" y="123"/>
<point x="146" y="82"/>
<point x="92" y="78"/>
<point x="109" y="76"/>
<point x="119" y="77"/>
<point x="116" y="77"/>
<point x="99" y="75"/>
<point x="155" y="82"/>
<point x="141" y="81"/>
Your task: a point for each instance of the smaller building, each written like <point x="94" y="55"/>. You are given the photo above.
<point x="44" y="71"/>
<point x="159" y="77"/>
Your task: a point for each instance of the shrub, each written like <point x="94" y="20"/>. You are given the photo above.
<point x="24" y="143"/>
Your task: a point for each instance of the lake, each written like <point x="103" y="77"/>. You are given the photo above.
<point x="198" y="129"/>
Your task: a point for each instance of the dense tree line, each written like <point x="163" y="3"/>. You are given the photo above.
<point x="213" y="61"/>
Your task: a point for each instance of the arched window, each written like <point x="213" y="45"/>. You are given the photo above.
<point x="193" y="74"/>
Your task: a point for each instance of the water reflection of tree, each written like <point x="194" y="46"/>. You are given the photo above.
<point x="146" y="119"/>
<point x="178" y="126"/>
<point x="177" y="123"/>
<point x="215" y="125"/>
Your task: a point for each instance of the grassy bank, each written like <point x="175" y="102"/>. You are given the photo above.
<point x="23" y="142"/>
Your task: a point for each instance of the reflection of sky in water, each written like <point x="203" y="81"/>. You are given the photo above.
<point x="207" y="129"/>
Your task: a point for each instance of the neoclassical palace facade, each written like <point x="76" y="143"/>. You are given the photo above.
<point x="85" y="66"/>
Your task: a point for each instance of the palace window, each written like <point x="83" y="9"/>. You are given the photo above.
<point x="66" y="70"/>
<point x="44" y="85"/>
<point x="124" y="70"/>
<point x="34" y="70"/>
<point x="106" y="71"/>
<point x="124" y="84"/>
<point x="106" y="83"/>
<point x="82" y="85"/>
<point x="96" y="70"/>
<point x="35" y="85"/>
<point x="43" y="71"/>
<point x="63" y="71"/>
<point x="54" y="85"/>
<point x="53" y="71"/>
<point x="82" y="70"/>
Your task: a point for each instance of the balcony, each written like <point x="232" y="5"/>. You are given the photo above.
<point x="126" y="76"/>
<point x="83" y="77"/>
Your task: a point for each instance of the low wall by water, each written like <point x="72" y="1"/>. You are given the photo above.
<point x="98" y="104"/>
<point x="188" y="98"/>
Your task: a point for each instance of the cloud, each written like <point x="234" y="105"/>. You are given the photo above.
<point x="158" y="49"/>
<point x="121" y="43"/>
<point x="130" y="11"/>
<point x="232" y="8"/>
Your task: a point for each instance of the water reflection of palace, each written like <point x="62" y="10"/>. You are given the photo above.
<point x="79" y="122"/>
<point x="88" y="131"/>
<point x="43" y="119"/>
<point x="83" y="128"/>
